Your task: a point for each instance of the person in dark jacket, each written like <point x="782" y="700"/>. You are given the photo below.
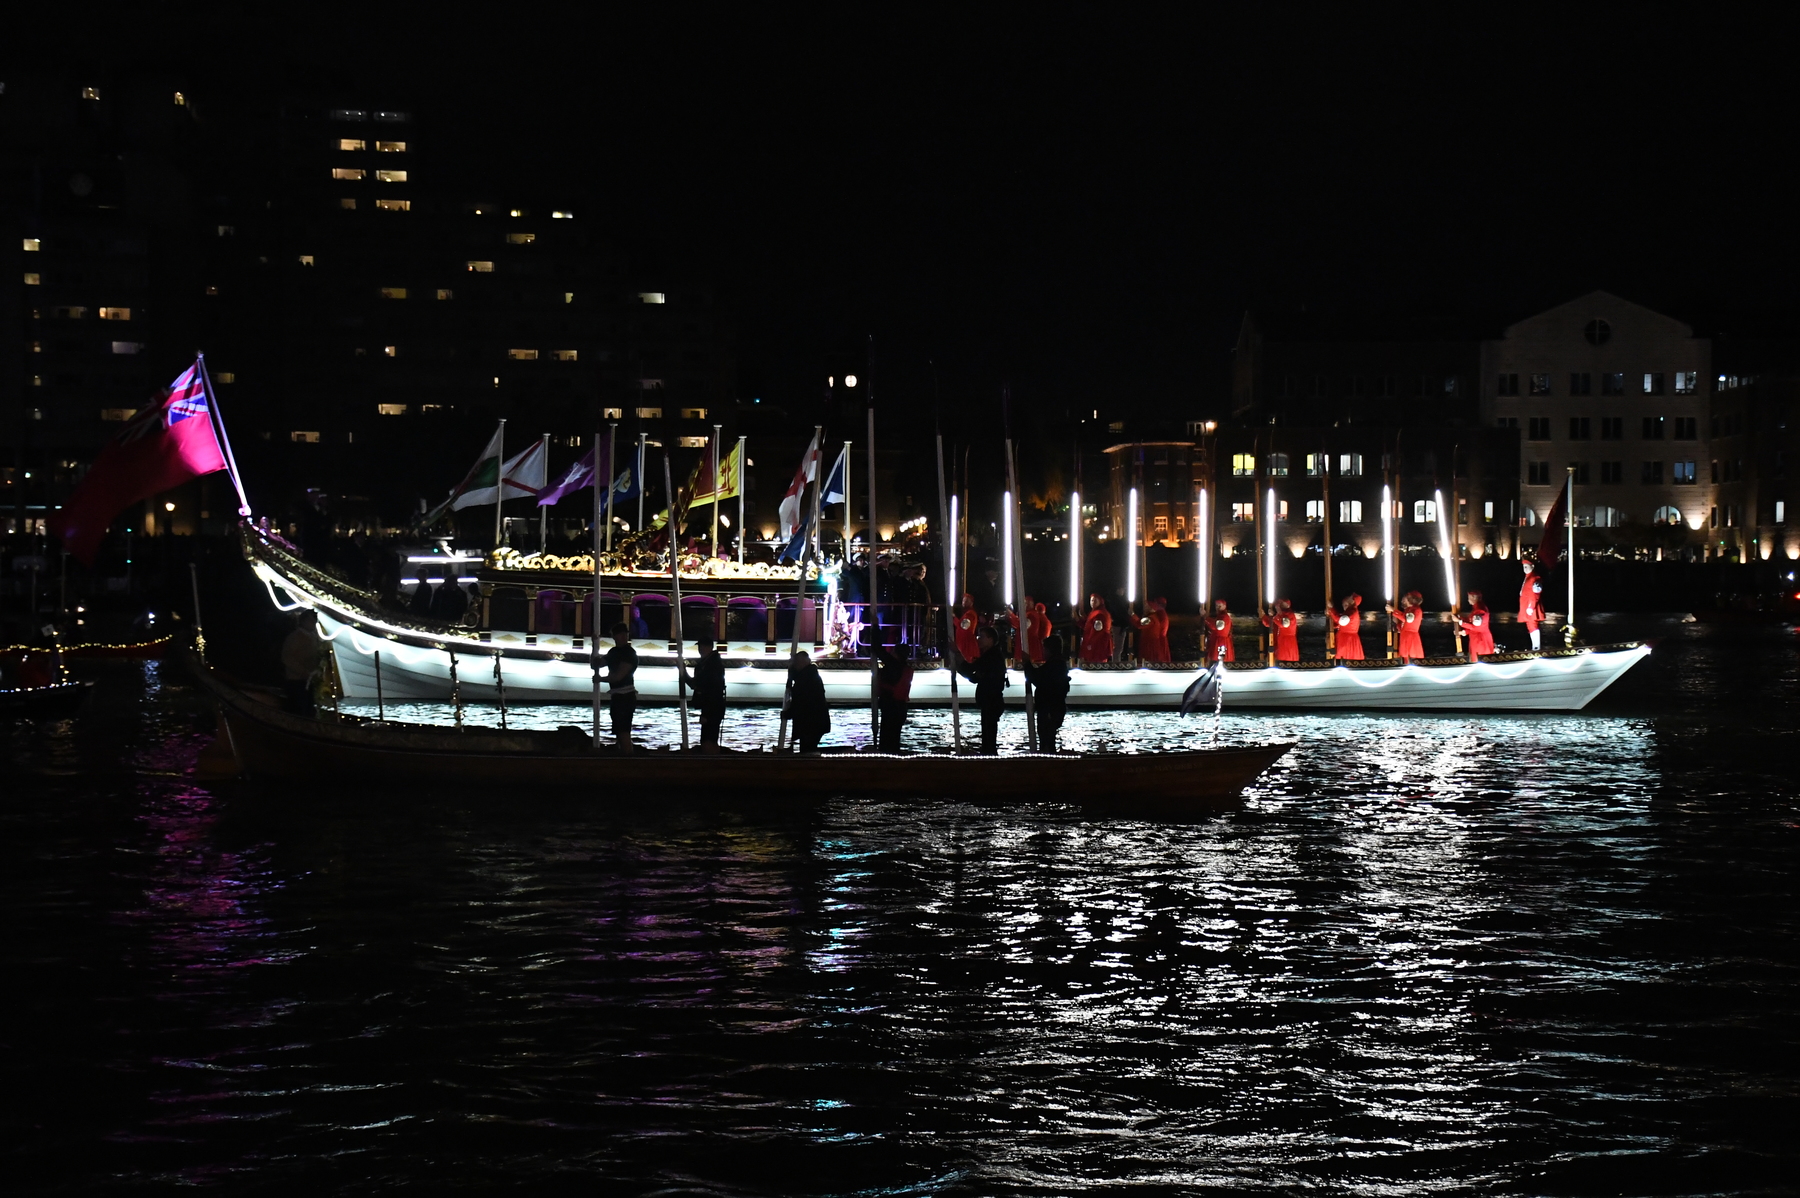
<point x="449" y="602"/>
<point x="621" y="685"/>
<point x="1050" y="682"/>
<point x="420" y="602"/>
<point x="708" y="681"/>
<point x="812" y="718"/>
<point x="893" y="692"/>
<point x="988" y="673"/>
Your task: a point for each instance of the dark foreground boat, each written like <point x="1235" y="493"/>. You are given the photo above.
<point x="54" y="702"/>
<point x="269" y="744"/>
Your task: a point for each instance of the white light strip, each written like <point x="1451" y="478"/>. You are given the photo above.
<point x="1006" y="595"/>
<point x="1131" y="547"/>
<point x="1387" y="543"/>
<point x="1444" y="547"/>
<point x="443" y="557"/>
<point x="952" y="598"/>
<point x="1204" y="535"/>
<point x="1075" y="552"/>
<point x="1269" y="565"/>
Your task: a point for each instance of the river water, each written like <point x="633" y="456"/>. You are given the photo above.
<point x="1428" y="955"/>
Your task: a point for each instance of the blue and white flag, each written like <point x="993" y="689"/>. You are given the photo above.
<point x="796" y="547"/>
<point x="835" y="490"/>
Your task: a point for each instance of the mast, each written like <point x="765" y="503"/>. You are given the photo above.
<point x="642" y="485"/>
<point x="612" y="435"/>
<point x="1257" y="518"/>
<point x="594" y="656"/>
<point x="847" y="494"/>
<point x="1325" y="521"/>
<point x="675" y="609"/>
<point x="712" y="546"/>
<point x="1017" y="553"/>
<point x="947" y="514"/>
<point x="544" y="508"/>
<point x="874" y="595"/>
<point x="1569" y="524"/>
<point x="787" y="693"/>
<point x="740" y="487"/>
<point x="218" y="427"/>
<point x="499" y="480"/>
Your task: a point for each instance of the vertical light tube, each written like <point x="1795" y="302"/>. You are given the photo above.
<point x="1131" y="547"/>
<point x="1444" y="548"/>
<point x="1203" y="536"/>
<point x="1269" y="556"/>
<point x="1387" y="542"/>
<point x="1075" y="552"/>
<point x="1006" y="560"/>
<point x="952" y="597"/>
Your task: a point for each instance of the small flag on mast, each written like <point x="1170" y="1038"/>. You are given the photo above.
<point x="835" y="490"/>
<point x="789" y="510"/>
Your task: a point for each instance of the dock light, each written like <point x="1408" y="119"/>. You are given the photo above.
<point x="950" y="591"/>
<point x="1075" y="551"/>
<point x="1387" y="542"/>
<point x="1131" y="522"/>
<point x="849" y="380"/>
<point x="1444" y="548"/>
<point x="1204" y="537"/>
<point x="1006" y="572"/>
<point x="1269" y="555"/>
<point x="168" y="507"/>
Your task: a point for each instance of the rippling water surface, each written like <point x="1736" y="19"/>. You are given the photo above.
<point x="1427" y="955"/>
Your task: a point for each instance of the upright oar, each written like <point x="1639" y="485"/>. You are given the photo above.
<point x="874" y="595"/>
<point x="1569" y="524"/>
<point x="947" y="537"/>
<point x="1018" y="564"/>
<point x="675" y="610"/>
<point x="787" y="693"/>
<point x="594" y="655"/>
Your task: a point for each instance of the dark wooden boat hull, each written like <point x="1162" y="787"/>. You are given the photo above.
<point x="141" y="651"/>
<point x="55" y="702"/>
<point x="272" y="745"/>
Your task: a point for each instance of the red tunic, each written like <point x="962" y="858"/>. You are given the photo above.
<point x="967" y="621"/>
<point x="1531" y="602"/>
<point x="1477" y="625"/>
<point x="1287" y="634"/>
<point x="1408" y="620"/>
<point x="1153" y="636"/>
<point x="1096" y="637"/>
<point x="1347" y="625"/>
<point x="1037" y="627"/>
<point x="1218" y="636"/>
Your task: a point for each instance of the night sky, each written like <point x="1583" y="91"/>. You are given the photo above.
<point x="1086" y="209"/>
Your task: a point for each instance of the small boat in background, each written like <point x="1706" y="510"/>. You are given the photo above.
<point x="140" y="651"/>
<point x="270" y="744"/>
<point x="56" y="701"/>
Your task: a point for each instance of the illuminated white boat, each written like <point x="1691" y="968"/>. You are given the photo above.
<point x="379" y="654"/>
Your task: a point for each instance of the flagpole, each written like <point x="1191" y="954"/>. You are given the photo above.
<point x="874" y="594"/>
<point x="642" y="436"/>
<point x="499" y="480"/>
<point x="947" y="535"/>
<point x="543" y="508"/>
<point x="1569" y="523"/>
<point x="612" y="435"/>
<point x="1018" y="556"/>
<point x="218" y="427"/>
<point x="675" y="610"/>
<point x="598" y="607"/>
<point x="712" y="546"/>
<point x="740" y="490"/>
<point x="847" y="494"/>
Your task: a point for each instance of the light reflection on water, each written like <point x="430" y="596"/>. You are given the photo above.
<point x="1427" y="955"/>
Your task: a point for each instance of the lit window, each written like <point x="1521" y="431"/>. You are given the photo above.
<point x="352" y="144"/>
<point x="445" y="293"/>
<point x="32" y="279"/>
<point x="1424" y="512"/>
<point x="693" y="413"/>
<point x="37" y="347"/>
<point x="306" y="259"/>
<point x="347" y="203"/>
<point x="33" y="245"/>
<point x="225" y="376"/>
<point x="1243" y="513"/>
<point x="227" y="230"/>
<point x="70" y="312"/>
<point x="394" y="205"/>
<point x="304" y="438"/>
<point x="180" y="100"/>
<point x="390" y="409"/>
<point x="564" y="355"/>
<point x="349" y="114"/>
<point x="394" y="118"/>
<point x="212" y="291"/>
<point x="650" y="384"/>
<point x="390" y="351"/>
<point x="391" y="176"/>
<point x="90" y="93"/>
<point x="522" y="355"/>
<point x="650" y="297"/>
<point x="389" y="147"/>
<point x="482" y="268"/>
<point x="348" y="172"/>
<point x="562" y="216"/>
<point x="1315" y="511"/>
<point x="393" y="293"/>
<point x="1316" y="464"/>
<point x="1349" y="511"/>
<point x="517" y="212"/>
<point x="568" y="297"/>
<point x="116" y="414"/>
<point x="612" y="413"/>
<point x="520" y="238"/>
<point x="431" y="407"/>
<point x="127" y="347"/>
<point x="1243" y="465"/>
<point x="649" y="413"/>
<point x="115" y="314"/>
<point x="691" y="442"/>
<point x="1687" y="382"/>
<point x="1781" y="511"/>
<point x="1278" y="465"/>
<point x="37" y="380"/>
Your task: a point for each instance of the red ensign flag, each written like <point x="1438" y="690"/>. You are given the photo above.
<point x="164" y="445"/>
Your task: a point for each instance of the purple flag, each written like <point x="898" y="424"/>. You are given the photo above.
<point x="579" y="476"/>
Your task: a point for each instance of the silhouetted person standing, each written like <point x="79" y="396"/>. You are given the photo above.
<point x="988" y="673"/>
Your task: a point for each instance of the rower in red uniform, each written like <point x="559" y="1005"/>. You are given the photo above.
<point x="968" y="622"/>
<point x="1531" y="598"/>
<point x="1287" y="630"/>
<point x="1096" y="633"/>
<point x="1409" y="617"/>
<point x="1346" y="628"/>
<point x="1037" y="627"/>
<point x="1218" y="634"/>
<point x="1153" y="631"/>
<point x="1478" y="625"/>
